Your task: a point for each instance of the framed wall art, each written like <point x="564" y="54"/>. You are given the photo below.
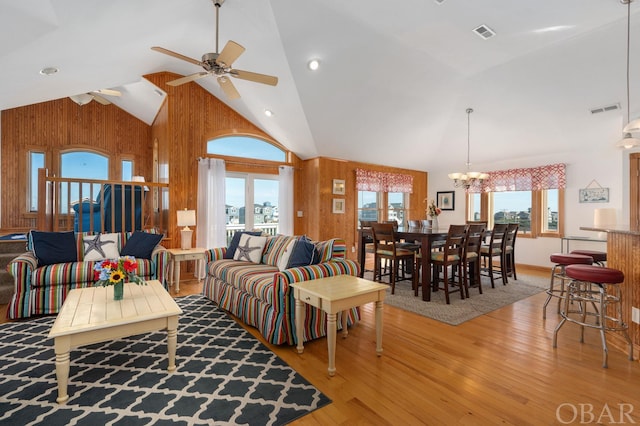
<point x="593" y="193"/>
<point x="338" y="187"/>
<point x="338" y="205"/>
<point x="446" y="200"/>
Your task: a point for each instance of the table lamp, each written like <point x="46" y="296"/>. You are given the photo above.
<point x="186" y="218"/>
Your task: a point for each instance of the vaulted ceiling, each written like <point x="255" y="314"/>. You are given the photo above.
<point x="394" y="81"/>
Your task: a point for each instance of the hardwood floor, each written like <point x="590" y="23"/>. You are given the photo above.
<point x="499" y="368"/>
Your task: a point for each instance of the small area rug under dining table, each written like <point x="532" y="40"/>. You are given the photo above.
<point x="459" y="310"/>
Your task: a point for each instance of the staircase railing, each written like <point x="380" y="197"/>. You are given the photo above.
<point x="57" y="197"/>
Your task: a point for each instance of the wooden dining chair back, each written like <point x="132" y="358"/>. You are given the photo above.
<point x="385" y="248"/>
<point x="494" y="250"/>
<point x="478" y="222"/>
<point x="450" y="257"/>
<point x="368" y="242"/>
<point x="509" y="257"/>
<point x="471" y="256"/>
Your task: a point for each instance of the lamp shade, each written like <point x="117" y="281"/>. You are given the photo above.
<point x="186" y="217"/>
<point x="632" y="127"/>
<point x="604" y="217"/>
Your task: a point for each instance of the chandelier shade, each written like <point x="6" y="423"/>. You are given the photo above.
<point x="468" y="178"/>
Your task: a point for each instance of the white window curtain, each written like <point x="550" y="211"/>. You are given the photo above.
<point x="211" y="227"/>
<point x="285" y="200"/>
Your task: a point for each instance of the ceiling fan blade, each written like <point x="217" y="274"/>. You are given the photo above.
<point x="109" y="92"/>
<point x="228" y="88"/>
<point x="229" y="54"/>
<point x="100" y="99"/>
<point x="176" y="55"/>
<point x="188" y="78"/>
<point x="254" y="76"/>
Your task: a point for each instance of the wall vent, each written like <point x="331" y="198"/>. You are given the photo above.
<point x="439" y="1"/>
<point x="484" y="32"/>
<point x="606" y="108"/>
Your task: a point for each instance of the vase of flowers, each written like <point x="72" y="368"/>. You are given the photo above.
<point x="115" y="272"/>
<point x="433" y="212"/>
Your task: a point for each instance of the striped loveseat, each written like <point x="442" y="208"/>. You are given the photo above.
<point x="42" y="289"/>
<point x="260" y="295"/>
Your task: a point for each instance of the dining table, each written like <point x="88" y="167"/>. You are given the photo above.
<point x="426" y="237"/>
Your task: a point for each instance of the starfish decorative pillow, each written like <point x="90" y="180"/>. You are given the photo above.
<point x="250" y="248"/>
<point x="101" y="246"/>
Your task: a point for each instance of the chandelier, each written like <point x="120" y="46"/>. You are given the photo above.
<point x="467" y="178"/>
<point x="628" y="141"/>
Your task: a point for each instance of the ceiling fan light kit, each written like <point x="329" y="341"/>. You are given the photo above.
<point x="219" y="64"/>
<point x="467" y="179"/>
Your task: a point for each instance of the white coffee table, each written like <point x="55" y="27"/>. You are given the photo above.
<point x="90" y="315"/>
<point x="333" y="295"/>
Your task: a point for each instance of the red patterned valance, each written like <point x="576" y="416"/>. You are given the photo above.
<point x="369" y="180"/>
<point x="532" y="179"/>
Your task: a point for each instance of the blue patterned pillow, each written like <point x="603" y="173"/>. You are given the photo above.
<point x="233" y="245"/>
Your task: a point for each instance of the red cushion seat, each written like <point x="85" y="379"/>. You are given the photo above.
<point x="594" y="274"/>
<point x="598" y="256"/>
<point x="570" y="259"/>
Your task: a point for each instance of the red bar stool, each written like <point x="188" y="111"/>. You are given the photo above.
<point x="599" y="257"/>
<point x="594" y="285"/>
<point x="561" y="261"/>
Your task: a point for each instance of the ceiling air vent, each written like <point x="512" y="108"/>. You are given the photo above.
<point x="484" y="32"/>
<point x="606" y="108"/>
<point x="439" y="1"/>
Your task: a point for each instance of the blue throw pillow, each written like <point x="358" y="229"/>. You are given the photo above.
<point x="54" y="247"/>
<point x="233" y="245"/>
<point x="304" y="253"/>
<point x="141" y="244"/>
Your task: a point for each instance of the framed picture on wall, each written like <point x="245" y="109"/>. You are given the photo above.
<point x="338" y="205"/>
<point x="446" y="200"/>
<point x="338" y="187"/>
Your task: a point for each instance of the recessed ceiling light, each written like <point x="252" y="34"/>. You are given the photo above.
<point x="49" y="71"/>
<point x="313" y="64"/>
<point x="268" y="113"/>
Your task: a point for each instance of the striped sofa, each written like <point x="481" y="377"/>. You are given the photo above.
<point x="260" y="295"/>
<point x="42" y="290"/>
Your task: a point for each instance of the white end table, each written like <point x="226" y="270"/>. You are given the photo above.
<point x="178" y="255"/>
<point x="90" y="315"/>
<point x="333" y="295"/>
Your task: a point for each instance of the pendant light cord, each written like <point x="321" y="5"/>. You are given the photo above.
<point x="628" y="49"/>
<point x="469" y="111"/>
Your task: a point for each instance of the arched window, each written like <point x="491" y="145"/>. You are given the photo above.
<point x="245" y="147"/>
<point x="84" y="165"/>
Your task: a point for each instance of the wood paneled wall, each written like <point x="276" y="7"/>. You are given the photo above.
<point x="55" y="126"/>
<point x="189" y="118"/>
<point x="315" y="195"/>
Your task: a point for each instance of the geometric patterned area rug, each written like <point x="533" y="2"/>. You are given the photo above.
<point x="224" y="375"/>
<point x="461" y="310"/>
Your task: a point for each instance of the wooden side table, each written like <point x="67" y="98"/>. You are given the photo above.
<point x="178" y="255"/>
<point x="333" y="295"/>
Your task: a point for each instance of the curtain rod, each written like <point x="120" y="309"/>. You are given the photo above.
<point x="247" y="163"/>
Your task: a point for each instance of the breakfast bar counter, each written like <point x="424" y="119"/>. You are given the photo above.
<point x="623" y="253"/>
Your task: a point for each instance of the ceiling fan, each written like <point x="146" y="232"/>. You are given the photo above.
<point x="98" y="95"/>
<point x="219" y="64"/>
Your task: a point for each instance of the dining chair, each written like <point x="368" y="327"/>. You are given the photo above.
<point x="494" y="249"/>
<point x="368" y="244"/>
<point x="385" y="247"/>
<point x="471" y="256"/>
<point x="450" y="257"/>
<point x="414" y="224"/>
<point x="509" y="257"/>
